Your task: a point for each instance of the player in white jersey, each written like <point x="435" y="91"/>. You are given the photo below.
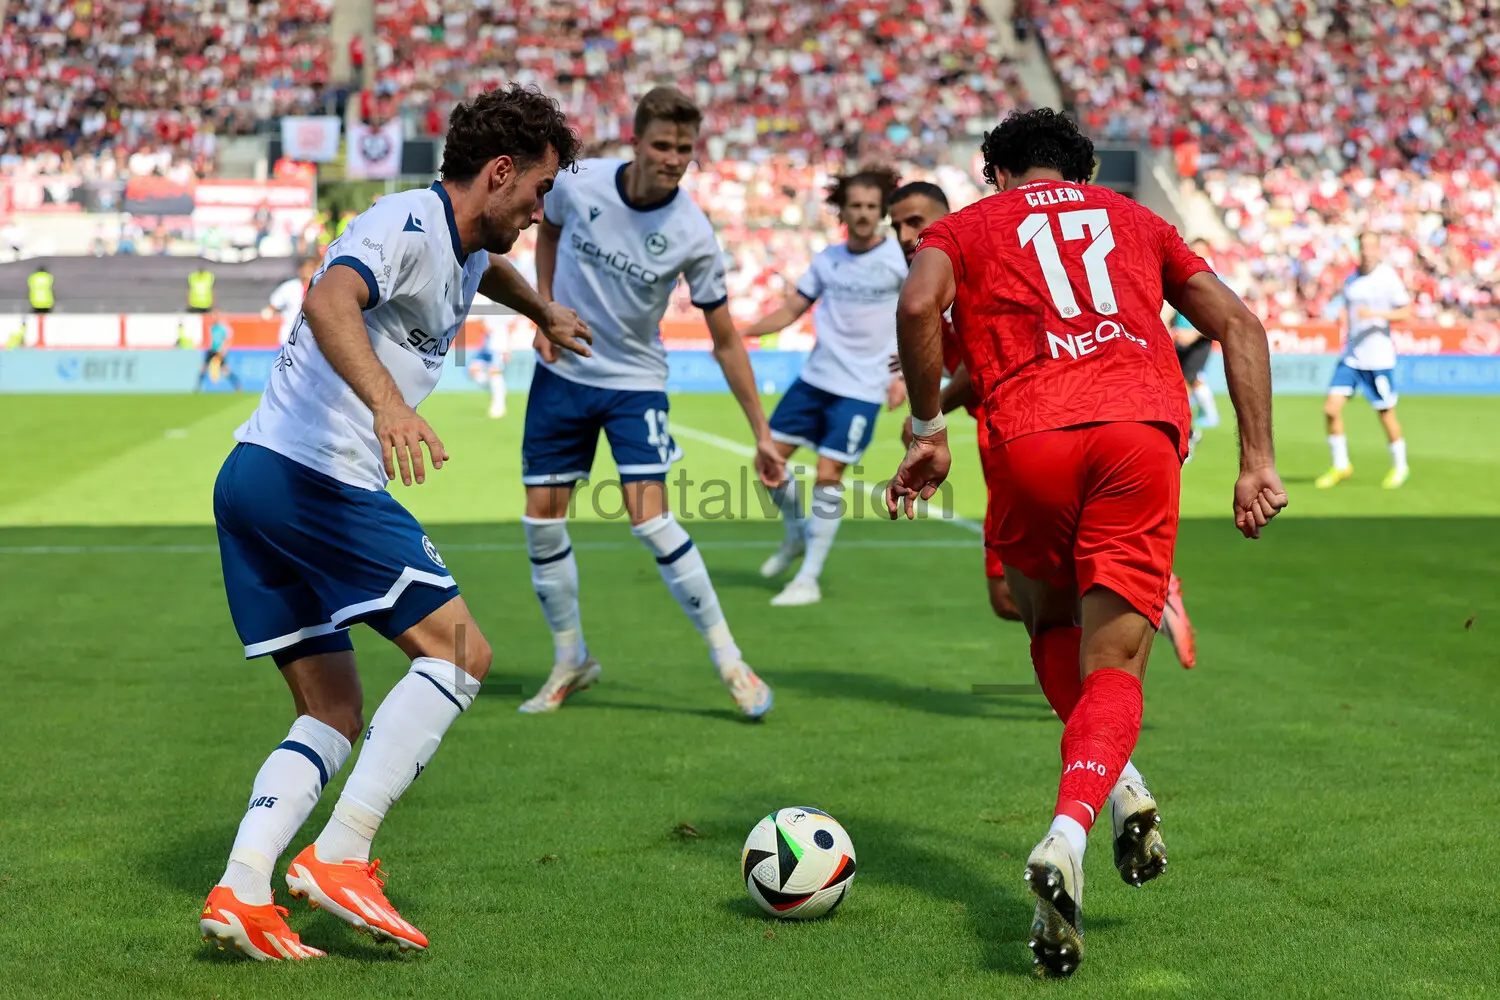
<point x="831" y="408"/>
<point x="286" y="298"/>
<point x="616" y="237"/>
<point x="311" y="542"/>
<point x="1374" y="297"/>
<point x="487" y="366"/>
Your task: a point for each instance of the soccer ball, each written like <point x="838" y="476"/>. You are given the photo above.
<point x="798" y="863"/>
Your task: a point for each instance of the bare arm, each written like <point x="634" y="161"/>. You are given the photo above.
<point x="559" y="325"/>
<point x="791" y="309"/>
<point x="928" y="291"/>
<point x="1219" y="314"/>
<point x="730" y="353"/>
<point x="959" y="391"/>
<point x="547" y="236"/>
<point x="333" y="312"/>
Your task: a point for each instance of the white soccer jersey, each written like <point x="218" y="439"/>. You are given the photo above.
<point x="617" y="264"/>
<point x="406" y="248"/>
<point x="287" y="300"/>
<point x="1370" y="347"/>
<point x="854" y="319"/>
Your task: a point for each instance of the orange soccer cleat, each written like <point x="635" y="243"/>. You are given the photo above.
<point x="257" y="932"/>
<point x="1175" y="623"/>
<point x="353" y="891"/>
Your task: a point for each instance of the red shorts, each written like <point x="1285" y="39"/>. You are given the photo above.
<point x="1089" y="506"/>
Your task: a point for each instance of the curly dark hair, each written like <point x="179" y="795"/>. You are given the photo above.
<point x="882" y="178"/>
<point x="1040" y="138"/>
<point x="515" y="121"/>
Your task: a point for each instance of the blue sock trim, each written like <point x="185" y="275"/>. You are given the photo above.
<point x="544" y="560"/>
<point x="446" y="693"/>
<point x="672" y="557"/>
<point x="311" y="755"/>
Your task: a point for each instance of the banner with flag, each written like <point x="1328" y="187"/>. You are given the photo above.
<point x="374" y="153"/>
<point x="310" y="138"/>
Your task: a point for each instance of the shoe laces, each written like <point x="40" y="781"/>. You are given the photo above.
<point x="374" y="874"/>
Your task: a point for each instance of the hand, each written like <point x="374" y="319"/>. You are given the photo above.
<point x="1258" y="497"/>
<point x="563" y="328"/>
<point x="906" y="434"/>
<point x="922" y="471"/>
<point x="401" y="432"/>
<point x="543" y="347"/>
<point x="895" y="393"/>
<point x="769" y="465"/>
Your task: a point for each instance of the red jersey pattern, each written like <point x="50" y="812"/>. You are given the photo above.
<point x="1059" y="294"/>
<point x="953" y="356"/>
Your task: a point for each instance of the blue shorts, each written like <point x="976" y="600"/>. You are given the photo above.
<point x="306" y="556"/>
<point x="835" y="427"/>
<point x="563" y="421"/>
<point x="1378" y="386"/>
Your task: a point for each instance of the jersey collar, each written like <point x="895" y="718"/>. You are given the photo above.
<point x="653" y="206"/>
<point x="458" y="246"/>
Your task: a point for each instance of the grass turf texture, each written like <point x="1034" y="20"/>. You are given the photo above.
<point x="1327" y="775"/>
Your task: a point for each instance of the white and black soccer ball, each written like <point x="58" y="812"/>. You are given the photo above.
<point x="798" y="863"/>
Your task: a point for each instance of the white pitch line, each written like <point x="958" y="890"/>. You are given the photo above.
<point x="745" y="451"/>
<point x="851" y="543"/>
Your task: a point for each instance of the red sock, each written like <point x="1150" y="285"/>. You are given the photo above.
<point x="1054" y="655"/>
<point x="1097" y="741"/>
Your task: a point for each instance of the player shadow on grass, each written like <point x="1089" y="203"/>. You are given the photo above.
<point x="996" y="907"/>
<point x="891" y="691"/>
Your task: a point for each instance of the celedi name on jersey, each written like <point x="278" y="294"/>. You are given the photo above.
<point x="1053" y="196"/>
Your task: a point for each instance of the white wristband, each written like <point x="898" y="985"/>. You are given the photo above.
<point x="926" y="428"/>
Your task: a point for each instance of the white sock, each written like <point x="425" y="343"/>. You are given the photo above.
<point x="497" y="392"/>
<point x="1129" y="773"/>
<point x="686" y="576"/>
<point x="286" y="789"/>
<point x="1339" y="445"/>
<point x="554" y="577"/>
<point x="400" y="740"/>
<point x="1073" y="832"/>
<point x="1208" y="410"/>
<point x="1398" y="454"/>
<point x="822" y="526"/>
<point x="788" y="498"/>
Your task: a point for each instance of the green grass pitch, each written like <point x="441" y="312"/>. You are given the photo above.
<point x="1328" y="774"/>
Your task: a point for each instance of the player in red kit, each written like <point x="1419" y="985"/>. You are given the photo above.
<point x="1056" y="288"/>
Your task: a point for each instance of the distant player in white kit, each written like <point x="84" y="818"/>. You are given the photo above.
<point x="312" y="543"/>
<point x="487" y="366"/>
<point x="286" y="299"/>
<point x="1374" y="297"/>
<point x="831" y="408"/>
<point x="615" y="239"/>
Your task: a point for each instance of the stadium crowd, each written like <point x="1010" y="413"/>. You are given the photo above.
<point x="1307" y="122"/>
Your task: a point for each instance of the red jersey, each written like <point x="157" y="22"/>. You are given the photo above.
<point x="1059" y="294"/>
<point x="953" y="356"/>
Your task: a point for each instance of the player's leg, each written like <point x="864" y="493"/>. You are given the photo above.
<point x="797" y="422"/>
<point x="275" y="612"/>
<point x="497" y="393"/>
<point x="557" y="450"/>
<point x="1178" y="627"/>
<point x="848" y="427"/>
<point x="1344" y="381"/>
<point x="449" y="661"/>
<point x="1382" y="395"/>
<point x="1194" y="360"/>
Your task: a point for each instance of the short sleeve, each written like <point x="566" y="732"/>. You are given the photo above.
<point x="810" y="285"/>
<point x="555" y="201"/>
<point x="706" y="277"/>
<point x="941" y="235"/>
<point x="374" y="248"/>
<point x="1178" y="262"/>
<point x="1396" y="290"/>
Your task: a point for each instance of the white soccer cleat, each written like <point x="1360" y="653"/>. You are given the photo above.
<point x="1140" y="853"/>
<point x="798" y="593"/>
<point x="1055" y="877"/>
<point x="497" y="410"/>
<point x="751" y="694"/>
<point x="791" y="550"/>
<point x="563" y="682"/>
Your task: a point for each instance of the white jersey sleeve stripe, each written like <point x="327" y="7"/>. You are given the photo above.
<point x="362" y="269"/>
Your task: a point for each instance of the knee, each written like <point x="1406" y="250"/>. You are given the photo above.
<point x="347" y="717"/>
<point x="1332" y="407"/>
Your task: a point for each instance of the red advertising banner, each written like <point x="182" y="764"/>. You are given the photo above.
<point x="1413" y="339"/>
